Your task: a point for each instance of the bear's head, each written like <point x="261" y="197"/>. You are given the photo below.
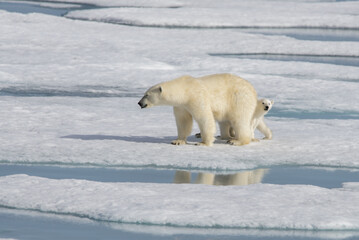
<point x="266" y="104"/>
<point x="152" y="97"/>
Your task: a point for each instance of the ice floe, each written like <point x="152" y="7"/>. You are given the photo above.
<point x="116" y="132"/>
<point x="262" y="206"/>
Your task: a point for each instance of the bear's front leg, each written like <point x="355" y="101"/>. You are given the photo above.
<point x="184" y="124"/>
<point x="207" y="132"/>
<point x="206" y="123"/>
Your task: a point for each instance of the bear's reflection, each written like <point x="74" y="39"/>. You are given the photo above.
<point x="240" y="178"/>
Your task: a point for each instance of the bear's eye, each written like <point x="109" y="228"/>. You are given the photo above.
<point x="262" y="102"/>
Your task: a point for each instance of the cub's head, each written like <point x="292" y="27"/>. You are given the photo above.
<point x="265" y="104"/>
<point x="152" y="97"/>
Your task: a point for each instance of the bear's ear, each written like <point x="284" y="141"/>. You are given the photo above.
<point x="272" y="102"/>
<point x="157" y="90"/>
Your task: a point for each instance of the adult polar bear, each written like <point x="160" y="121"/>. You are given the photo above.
<point x="225" y="98"/>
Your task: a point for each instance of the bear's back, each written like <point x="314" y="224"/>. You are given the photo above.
<point x="227" y="92"/>
<point x="227" y="82"/>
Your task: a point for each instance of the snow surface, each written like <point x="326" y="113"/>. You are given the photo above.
<point x="69" y="91"/>
<point x="253" y="206"/>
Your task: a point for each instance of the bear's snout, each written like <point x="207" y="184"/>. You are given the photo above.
<point x="266" y="108"/>
<point x="142" y="105"/>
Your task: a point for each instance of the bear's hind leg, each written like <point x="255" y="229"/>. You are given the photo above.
<point x="184" y="124"/>
<point x="243" y="135"/>
<point x="241" y="120"/>
<point x="243" y="131"/>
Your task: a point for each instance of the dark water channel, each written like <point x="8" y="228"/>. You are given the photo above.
<point x="329" y="59"/>
<point x="45" y="7"/>
<point x="33" y="7"/>
<point x="322" y="177"/>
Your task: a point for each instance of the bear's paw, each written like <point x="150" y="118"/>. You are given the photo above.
<point x="178" y="142"/>
<point x="235" y="142"/>
<point x="204" y="144"/>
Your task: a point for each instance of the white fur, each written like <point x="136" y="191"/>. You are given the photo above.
<point x="225" y="98"/>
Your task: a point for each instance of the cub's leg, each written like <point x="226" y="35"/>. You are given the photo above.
<point x="231" y="132"/>
<point x="184" y="124"/>
<point x="225" y="130"/>
<point x="254" y="125"/>
<point x="263" y="128"/>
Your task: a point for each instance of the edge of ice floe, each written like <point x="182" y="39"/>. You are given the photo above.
<point x="123" y="22"/>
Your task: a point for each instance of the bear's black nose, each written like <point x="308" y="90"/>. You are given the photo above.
<point x="266" y="108"/>
<point x="142" y="105"/>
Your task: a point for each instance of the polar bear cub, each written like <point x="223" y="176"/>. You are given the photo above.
<point x="263" y="107"/>
<point x="225" y="98"/>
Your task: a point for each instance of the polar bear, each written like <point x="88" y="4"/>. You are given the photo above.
<point x="263" y="107"/>
<point x="225" y="98"/>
